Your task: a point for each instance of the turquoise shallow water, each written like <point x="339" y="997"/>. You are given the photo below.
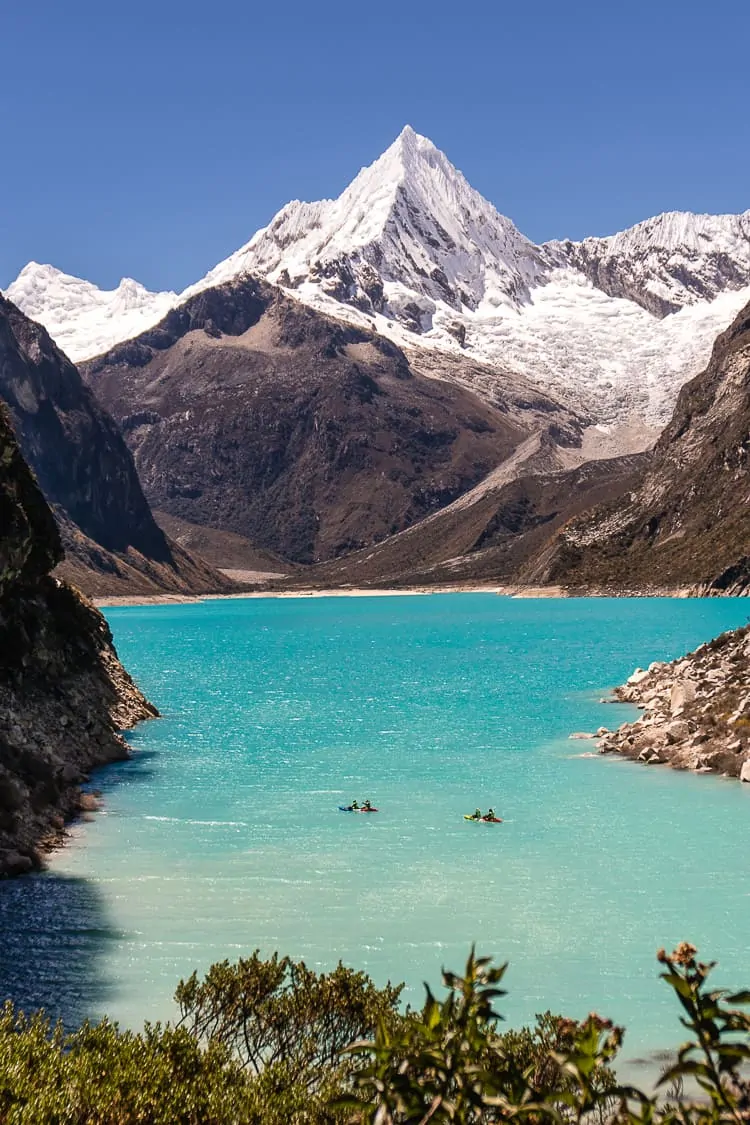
<point x="223" y="833"/>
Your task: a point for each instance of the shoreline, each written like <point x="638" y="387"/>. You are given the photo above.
<point x="331" y="592"/>
<point x="88" y="799"/>
<point x="508" y="591"/>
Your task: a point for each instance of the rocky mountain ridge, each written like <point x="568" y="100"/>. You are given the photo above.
<point x="666" y="263"/>
<point x="613" y="325"/>
<point x="250" y="413"/>
<point x="64" y="696"/>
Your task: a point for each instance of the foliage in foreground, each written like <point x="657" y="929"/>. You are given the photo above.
<point x="273" y="1043"/>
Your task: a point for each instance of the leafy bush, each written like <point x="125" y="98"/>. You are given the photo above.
<point x="104" y="1076"/>
<point x="281" y="1012"/>
<point x="273" y="1043"/>
<point x="452" y="1065"/>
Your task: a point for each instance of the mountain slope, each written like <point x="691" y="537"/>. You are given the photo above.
<point x="488" y="534"/>
<point x="250" y="413"/>
<point x="687" y="522"/>
<point x="86" y="472"/>
<point x="613" y="326"/>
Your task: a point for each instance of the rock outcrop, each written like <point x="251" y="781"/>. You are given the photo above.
<point x="64" y="696"/>
<point x="86" y="473"/>
<point x="696" y="710"/>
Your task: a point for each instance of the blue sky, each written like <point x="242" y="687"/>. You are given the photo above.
<point x="150" y="139"/>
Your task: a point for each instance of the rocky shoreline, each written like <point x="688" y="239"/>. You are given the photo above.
<point x="696" y="711"/>
<point x="61" y="716"/>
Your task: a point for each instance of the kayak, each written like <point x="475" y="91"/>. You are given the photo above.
<point x="484" y="819"/>
<point x="348" y="808"/>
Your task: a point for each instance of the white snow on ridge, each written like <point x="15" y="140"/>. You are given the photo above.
<point x="82" y="319"/>
<point x="680" y="257"/>
<point x="406" y="216"/>
<point x="413" y="250"/>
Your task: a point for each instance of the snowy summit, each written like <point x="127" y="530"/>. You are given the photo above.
<point x="612" y="325"/>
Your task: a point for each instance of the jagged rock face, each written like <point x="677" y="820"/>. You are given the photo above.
<point x="63" y="693"/>
<point x="78" y="454"/>
<point x="666" y="263"/>
<point x="687" y="522"/>
<point x="85" y="469"/>
<point x="29" y="540"/>
<point x="252" y="413"/>
<point x="411" y="250"/>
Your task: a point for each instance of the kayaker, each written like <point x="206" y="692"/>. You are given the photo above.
<point x="491" y="815"/>
<point x="354" y="805"/>
<point x="367" y="806"/>
<point x="477" y="815"/>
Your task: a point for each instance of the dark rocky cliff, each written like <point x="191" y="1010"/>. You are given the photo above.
<point x="251" y="413"/>
<point x="63" y="693"/>
<point x="686" y="521"/>
<point x="86" y="471"/>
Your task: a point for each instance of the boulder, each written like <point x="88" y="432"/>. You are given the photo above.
<point x="13" y="863"/>
<point x="677" y="731"/>
<point x="745" y="771"/>
<point x="638" y="676"/>
<point x="683" y="692"/>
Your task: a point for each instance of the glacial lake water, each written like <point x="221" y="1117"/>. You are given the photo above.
<point x="223" y="833"/>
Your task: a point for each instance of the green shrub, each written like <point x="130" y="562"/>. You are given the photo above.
<point x="280" y="1012"/>
<point x="273" y="1043"/>
<point x="104" y="1076"/>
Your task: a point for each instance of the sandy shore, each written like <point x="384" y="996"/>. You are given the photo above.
<point x="400" y="592"/>
<point x="336" y="592"/>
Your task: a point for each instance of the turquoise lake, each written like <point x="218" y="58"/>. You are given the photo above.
<point x="223" y="833"/>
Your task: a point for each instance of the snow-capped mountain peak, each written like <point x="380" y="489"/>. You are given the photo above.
<point x="407" y="233"/>
<point x="614" y="325"/>
<point x="73" y="310"/>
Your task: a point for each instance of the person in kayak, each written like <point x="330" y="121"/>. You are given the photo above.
<point x="354" y="806"/>
<point x="477" y="814"/>
<point x="491" y="815"/>
<point x="367" y="806"/>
